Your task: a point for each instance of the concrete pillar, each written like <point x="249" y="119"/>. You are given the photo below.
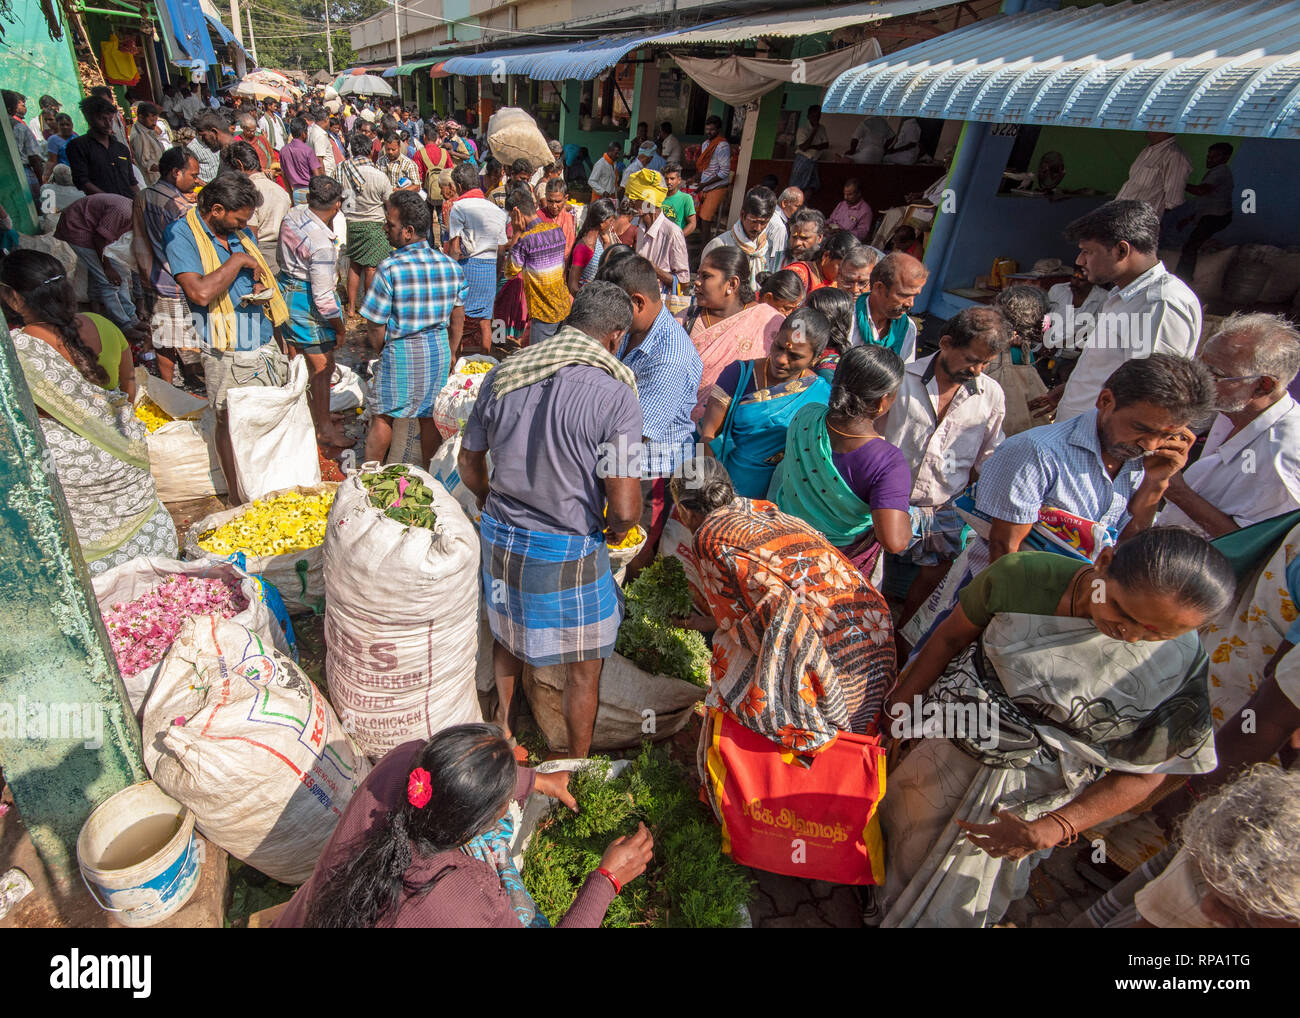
<point x="66" y="741"/>
<point x="645" y="96"/>
<point x="742" y="163"/>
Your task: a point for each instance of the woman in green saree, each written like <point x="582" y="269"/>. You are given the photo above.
<point x="838" y="473"/>
<point x="752" y="404"/>
<point x="96" y="441"/>
<point x="1054" y="697"/>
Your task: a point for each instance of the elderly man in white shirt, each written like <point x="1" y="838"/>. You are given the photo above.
<point x="1250" y="469"/>
<point x="1150" y="310"/>
<point x="947" y="421"/>
<point x="1159" y="174"/>
<point x="880" y="316"/>
<point x="905" y="148"/>
<point x="1074" y="307"/>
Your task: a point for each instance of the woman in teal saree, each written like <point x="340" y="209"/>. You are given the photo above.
<point x="753" y="402"/>
<point x="838" y="473"/>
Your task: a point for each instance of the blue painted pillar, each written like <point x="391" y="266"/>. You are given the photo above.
<point x="67" y="742"/>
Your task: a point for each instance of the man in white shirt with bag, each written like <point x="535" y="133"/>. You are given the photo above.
<point x="947" y="421"/>
<point x="1150" y="310"/>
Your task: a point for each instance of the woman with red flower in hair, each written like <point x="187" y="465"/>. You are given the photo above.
<point x="425" y="841"/>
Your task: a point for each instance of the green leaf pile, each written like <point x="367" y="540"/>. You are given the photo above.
<point x="648" y="637"/>
<point x="689" y="883"/>
<point x="416" y="509"/>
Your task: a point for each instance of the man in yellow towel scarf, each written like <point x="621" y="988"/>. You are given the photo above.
<point x="216" y="262"/>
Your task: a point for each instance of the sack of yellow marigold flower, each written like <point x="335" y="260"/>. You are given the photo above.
<point x="281" y="536"/>
<point x="142" y="620"/>
<point x="236" y="731"/>
<point x="401" y="608"/>
<point x="452" y="407"/>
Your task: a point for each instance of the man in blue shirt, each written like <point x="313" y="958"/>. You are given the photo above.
<point x="238" y="349"/>
<point x="668" y="370"/>
<point x="1110" y="465"/>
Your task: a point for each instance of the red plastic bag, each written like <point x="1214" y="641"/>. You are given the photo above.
<point x="818" y="822"/>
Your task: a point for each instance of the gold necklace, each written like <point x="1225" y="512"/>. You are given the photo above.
<point x="848" y="434"/>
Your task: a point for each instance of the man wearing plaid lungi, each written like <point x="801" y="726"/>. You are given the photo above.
<point x="416" y="307"/>
<point x="563" y="425"/>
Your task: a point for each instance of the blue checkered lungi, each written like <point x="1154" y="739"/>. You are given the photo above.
<point x="412" y="370"/>
<point x="481" y="275"/>
<point x="551" y="598"/>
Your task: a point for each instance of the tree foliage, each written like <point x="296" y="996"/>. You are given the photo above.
<point x="291" y="35"/>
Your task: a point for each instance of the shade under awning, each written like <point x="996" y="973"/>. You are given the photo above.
<point x="1185" y="66"/>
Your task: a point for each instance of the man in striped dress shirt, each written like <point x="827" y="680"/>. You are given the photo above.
<point x="1159" y="174"/>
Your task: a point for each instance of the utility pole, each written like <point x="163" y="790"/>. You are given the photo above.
<point x="252" y="43"/>
<point x="329" y="40"/>
<point x="397" y="35"/>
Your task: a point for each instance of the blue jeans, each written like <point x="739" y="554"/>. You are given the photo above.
<point x="116" y="299"/>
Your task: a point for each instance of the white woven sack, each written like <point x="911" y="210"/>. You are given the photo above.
<point x="236" y="732"/>
<point x="401" y="618"/>
<point x="272" y="434"/>
<point x="138" y="576"/>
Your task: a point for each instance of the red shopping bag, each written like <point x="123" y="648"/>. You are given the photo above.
<point x="818" y="822"/>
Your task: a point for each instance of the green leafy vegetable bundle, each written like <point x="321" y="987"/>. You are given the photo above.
<point x="648" y="637"/>
<point x="689" y="883"/>
<point x="403" y="498"/>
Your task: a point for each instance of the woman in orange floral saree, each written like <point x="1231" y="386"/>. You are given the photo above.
<point x="804" y="646"/>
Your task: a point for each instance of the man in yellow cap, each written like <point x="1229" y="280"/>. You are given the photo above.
<point x="659" y="240"/>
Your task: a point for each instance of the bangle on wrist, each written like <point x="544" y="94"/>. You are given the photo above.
<point x="618" y="887"/>
<point x="1069" y="830"/>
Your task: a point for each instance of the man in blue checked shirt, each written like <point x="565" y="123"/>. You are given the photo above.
<point x="416" y="307"/>
<point x="1110" y="465"/>
<point x="667" y="369"/>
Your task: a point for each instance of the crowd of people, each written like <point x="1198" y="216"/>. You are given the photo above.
<point x="862" y="533"/>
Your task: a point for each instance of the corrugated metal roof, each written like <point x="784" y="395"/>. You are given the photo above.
<point x="806" y="21"/>
<point x="501" y="61"/>
<point x="1186" y="66"/>
<point x="585" y="60"/>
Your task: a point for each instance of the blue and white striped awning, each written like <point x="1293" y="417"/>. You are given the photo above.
<point x="1186" y="66"/>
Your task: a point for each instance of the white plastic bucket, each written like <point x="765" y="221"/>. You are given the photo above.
<point x="149" y="874"/>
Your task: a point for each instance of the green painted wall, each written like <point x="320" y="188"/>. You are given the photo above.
<point x="55" y="660"/>
<point x="769" y="120"/>
<point x="1101" y="159"/>
<point x="36" y="65"/>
